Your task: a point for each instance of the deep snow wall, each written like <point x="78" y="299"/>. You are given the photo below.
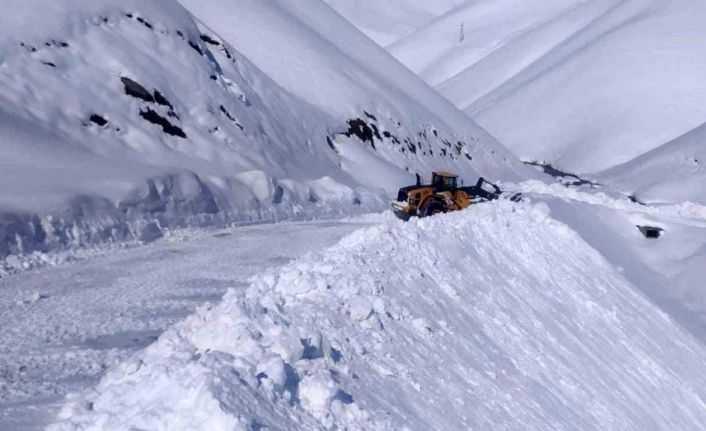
<point x="498" y="317"/>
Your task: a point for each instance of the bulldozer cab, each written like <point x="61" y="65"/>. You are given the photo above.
<point x="444" y="181"/>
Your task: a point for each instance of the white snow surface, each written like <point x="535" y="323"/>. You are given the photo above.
<point x="554" y="312"/>
<point x="211" y="136"/>
<point x="499" y="317"/>
<point x="388" y="21"/>
<point x="586" y="85"/>
<point x="66" y="323"/>
<point x="673" y="172"/>
<point x="668" y="270"/>
<point x="323" y="59"/>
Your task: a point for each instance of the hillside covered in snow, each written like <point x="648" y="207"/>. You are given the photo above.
<point x="388" y="21"/>
<point x="673" y="172"/>
<point x="195" y="230"/>
<point x="585" y="85"/>
<point x="122" y="119"/>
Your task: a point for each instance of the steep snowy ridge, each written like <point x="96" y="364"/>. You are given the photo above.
<point x="122" y="119"/>
<point x="673" y="172"/>
<point x="465" y="35"/>
<point x="507" y="319"/>
<point x="586" y="85"/>
<point x="323" y="59"/>
<point x="387" y="22"/>
<point x="162" y="125"/>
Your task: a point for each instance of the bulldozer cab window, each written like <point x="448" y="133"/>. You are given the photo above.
<point x="441" y="183"/>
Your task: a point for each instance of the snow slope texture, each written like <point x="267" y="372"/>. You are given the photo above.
<point x="669" y="269"/>
<point x="122" y="119"/>
<point x="586" y="85"/>
<point x="387" y="21"/>
<point x="507" y="320"/>
<point x="673" y="172"/>
<point x="314" y="53"/>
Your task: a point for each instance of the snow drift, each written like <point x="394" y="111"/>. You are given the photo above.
<point x="507" y="319"/>
<point x="667" y="269"/>
<point x="121" y="119"/>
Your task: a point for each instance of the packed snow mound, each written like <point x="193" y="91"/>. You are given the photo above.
<point x="388" y="21"/>
<point x="498" y="317"/>
<point x="586" y="85"/>
<point x="669" y="268"/>
<point x="673" y="172"/>
<point x="122" y="119"/>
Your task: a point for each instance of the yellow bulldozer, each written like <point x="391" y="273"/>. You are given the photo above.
<point x="444" y="194"/>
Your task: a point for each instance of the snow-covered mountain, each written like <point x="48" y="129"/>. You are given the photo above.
<point x="122" y="118"/>
<point x="388" y="21"/>
<point x="316" y="55"/>
<point x="673" y="172"/>
<point x="586" y="85"/>
<point x="559" y="306"/>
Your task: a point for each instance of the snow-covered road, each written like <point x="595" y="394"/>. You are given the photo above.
<point x="62" y="327"/>
<point x="499" y="317"/>
<point x="554" y="312"/>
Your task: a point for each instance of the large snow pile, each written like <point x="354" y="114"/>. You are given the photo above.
<point x="122" y="118"/>
<point x="669" y="268"/>
<point x="499" y="317"/>
<point x="584" y="84"/>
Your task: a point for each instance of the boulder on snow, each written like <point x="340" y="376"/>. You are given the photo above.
<point x="151" y="232"/>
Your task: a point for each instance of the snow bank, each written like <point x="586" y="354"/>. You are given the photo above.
<point x="613" y="200"/>
<point x="668" y="269"/>
<point x="498" y="317"/>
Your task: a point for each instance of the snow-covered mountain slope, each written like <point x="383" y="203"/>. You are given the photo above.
<point x="317" y="55"/>
<point x="675" y="171"/>
<point x="120" y="119"/>
<point x="388" y="21"/>
<point x="456" y="41"/>
<point x="586" y="85"/>
<point x="509" y="321"/>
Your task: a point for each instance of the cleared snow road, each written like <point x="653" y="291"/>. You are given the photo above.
<point x="63" y="326"/>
